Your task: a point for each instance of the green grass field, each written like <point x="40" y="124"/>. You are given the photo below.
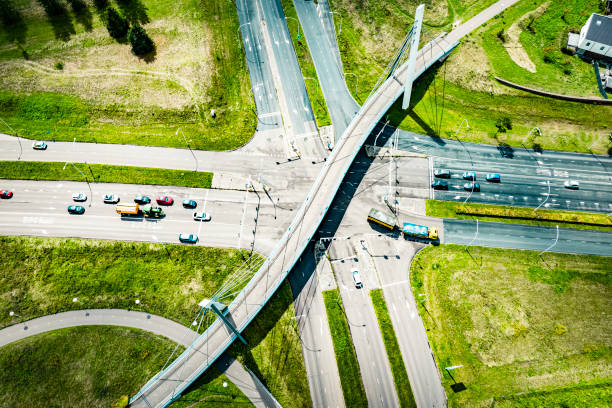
<point x="104" y="94"/>
<point x="518" y="215"/>
<point x="400" y="375"/>
<point x="348" y="367"/>
<point x="103" y="173"/>
<point x="89" y="366"/>
<point x="307" y="66"/>
<point x="43" y="275"/>
<point x="274" y="350"/>
<point x="464" y="88"/>
<point x="517" y="323"/>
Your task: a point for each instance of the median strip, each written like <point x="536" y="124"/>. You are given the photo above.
<point x="400" y="375"/>
<point x="103" y="173"/>
<point x="519" y="215"/>
<point x="348" y="368"/>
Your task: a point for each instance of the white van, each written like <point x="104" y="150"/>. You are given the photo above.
<point x="357" y="279"/>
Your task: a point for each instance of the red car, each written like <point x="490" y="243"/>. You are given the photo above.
<point x="6" y="194"/>
<point x="164" y="200"/>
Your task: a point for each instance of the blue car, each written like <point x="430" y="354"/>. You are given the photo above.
<point x="188" y="238"/>
<point x="189" y="204"/>
<point x="76" y="209"/>
<point x="142" y="200"/>
<point x="493" y="177"/>
<point x="469" y="175"/>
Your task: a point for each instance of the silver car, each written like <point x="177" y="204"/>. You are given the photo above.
<point x="201" y="216"/>
<point x="79" y="197"/>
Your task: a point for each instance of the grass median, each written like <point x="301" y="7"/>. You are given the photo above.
<point x="400" y="375"/>
<point x="315" y="94"/>
<point x="103" y="173"/>
<point x="42" y="276"/>
<point x="348" y="367"/>
<point x="514" y="321"/>
<point x="518" y="215"/>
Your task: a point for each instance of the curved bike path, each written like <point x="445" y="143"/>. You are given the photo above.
<point x="244" y="379"/>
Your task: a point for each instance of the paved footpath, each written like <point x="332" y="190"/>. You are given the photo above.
<point x="243" y="378"/>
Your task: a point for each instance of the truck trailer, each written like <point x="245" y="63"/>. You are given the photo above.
<point x="127" y="209"/>
<point x="420" y="231"/>
<point x="381" y="218"/>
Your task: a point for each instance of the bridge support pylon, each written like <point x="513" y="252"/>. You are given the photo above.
<point x="221" y="310"/>
<point x="414" y="47"/>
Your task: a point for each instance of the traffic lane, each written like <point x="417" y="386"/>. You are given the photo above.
<point x="529" y="195"/>
<point x="237" y="161"/>
<point x="524" y="172"/>
<point x="365" y="331"/>
<point x="453" y="149"/>
<point x="39" y="208"/>
<point x="394" y="257"/>
<point x="317" y="345"/>
<point x="291" y="75"/>
<point x="531" y="237"/>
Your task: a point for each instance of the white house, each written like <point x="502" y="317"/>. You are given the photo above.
<point x="595" y="40"/>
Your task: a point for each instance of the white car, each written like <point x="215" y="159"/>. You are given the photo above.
<point x="79" y="197"/>
<point x="357" y="279"/>
<point x="572" y="184"/>
<point x="201" y="216"/>
<point x="111" y="198"/>
<point x="39" y="145"/>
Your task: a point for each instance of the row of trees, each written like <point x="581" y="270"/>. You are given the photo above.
<point x="119" y="28"/>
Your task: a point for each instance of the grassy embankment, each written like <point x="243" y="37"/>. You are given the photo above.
<point x="517" y="323"/>
<point x="464" y="88"/>
<point x="348" y="367"/>
<point x="317" y="100"/>
<point x="400" y="375"/>
<point x="102" y="93"/>
<point x="519" y="215"/>
<point x="274" y="350"/>
<point x="42" y="275"/>
<point x="103" y="173"/>
<point x="93" y="366"/>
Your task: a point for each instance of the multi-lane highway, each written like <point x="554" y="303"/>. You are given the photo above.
<point x="239" y="218"/>
<point x="501" y="235"/>
<point x="315" y="19"/>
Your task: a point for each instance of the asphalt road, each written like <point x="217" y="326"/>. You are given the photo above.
<point x="363" y="324"/>
<point x="264" y="94"/>
<point x="308" y="279"/>
<point x="244" y="379"/>
<point x="39" y="208"/>
<point x="524" y="173"/>
<point x="392" y="259"/>
<point x="315" y="19"/>
<point x="502" y="235"/>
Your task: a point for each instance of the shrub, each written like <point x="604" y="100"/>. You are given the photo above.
<point x="59" y="65"/>
<point x="116" y="25"/>
<point x="549" y="59"/>
<point x="9" y="15"/>
<point x="140" y="41"/>
<point x="503" y="124"/>
<point x="501" y="35"/>
<point x="101" y="4"/>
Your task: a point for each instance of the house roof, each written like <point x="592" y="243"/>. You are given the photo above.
<point x="600" y="29"/>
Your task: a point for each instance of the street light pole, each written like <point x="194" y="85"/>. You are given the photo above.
<point x="554" y="243"/>
<point x="380" y="132"/>
<point x="189" y="147"/>
<point x="17" y="136"/>
<point x="547" y="196"/>
<point x="529" y="134"/>
<point x="86" y="180"/>
<point x="475" y="235"/>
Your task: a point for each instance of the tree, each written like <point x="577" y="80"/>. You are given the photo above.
<point x="140" y="41"/>
<point x="116" y="25"/>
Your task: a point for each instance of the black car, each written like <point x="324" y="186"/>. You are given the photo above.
<point x="440" y="185"/>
